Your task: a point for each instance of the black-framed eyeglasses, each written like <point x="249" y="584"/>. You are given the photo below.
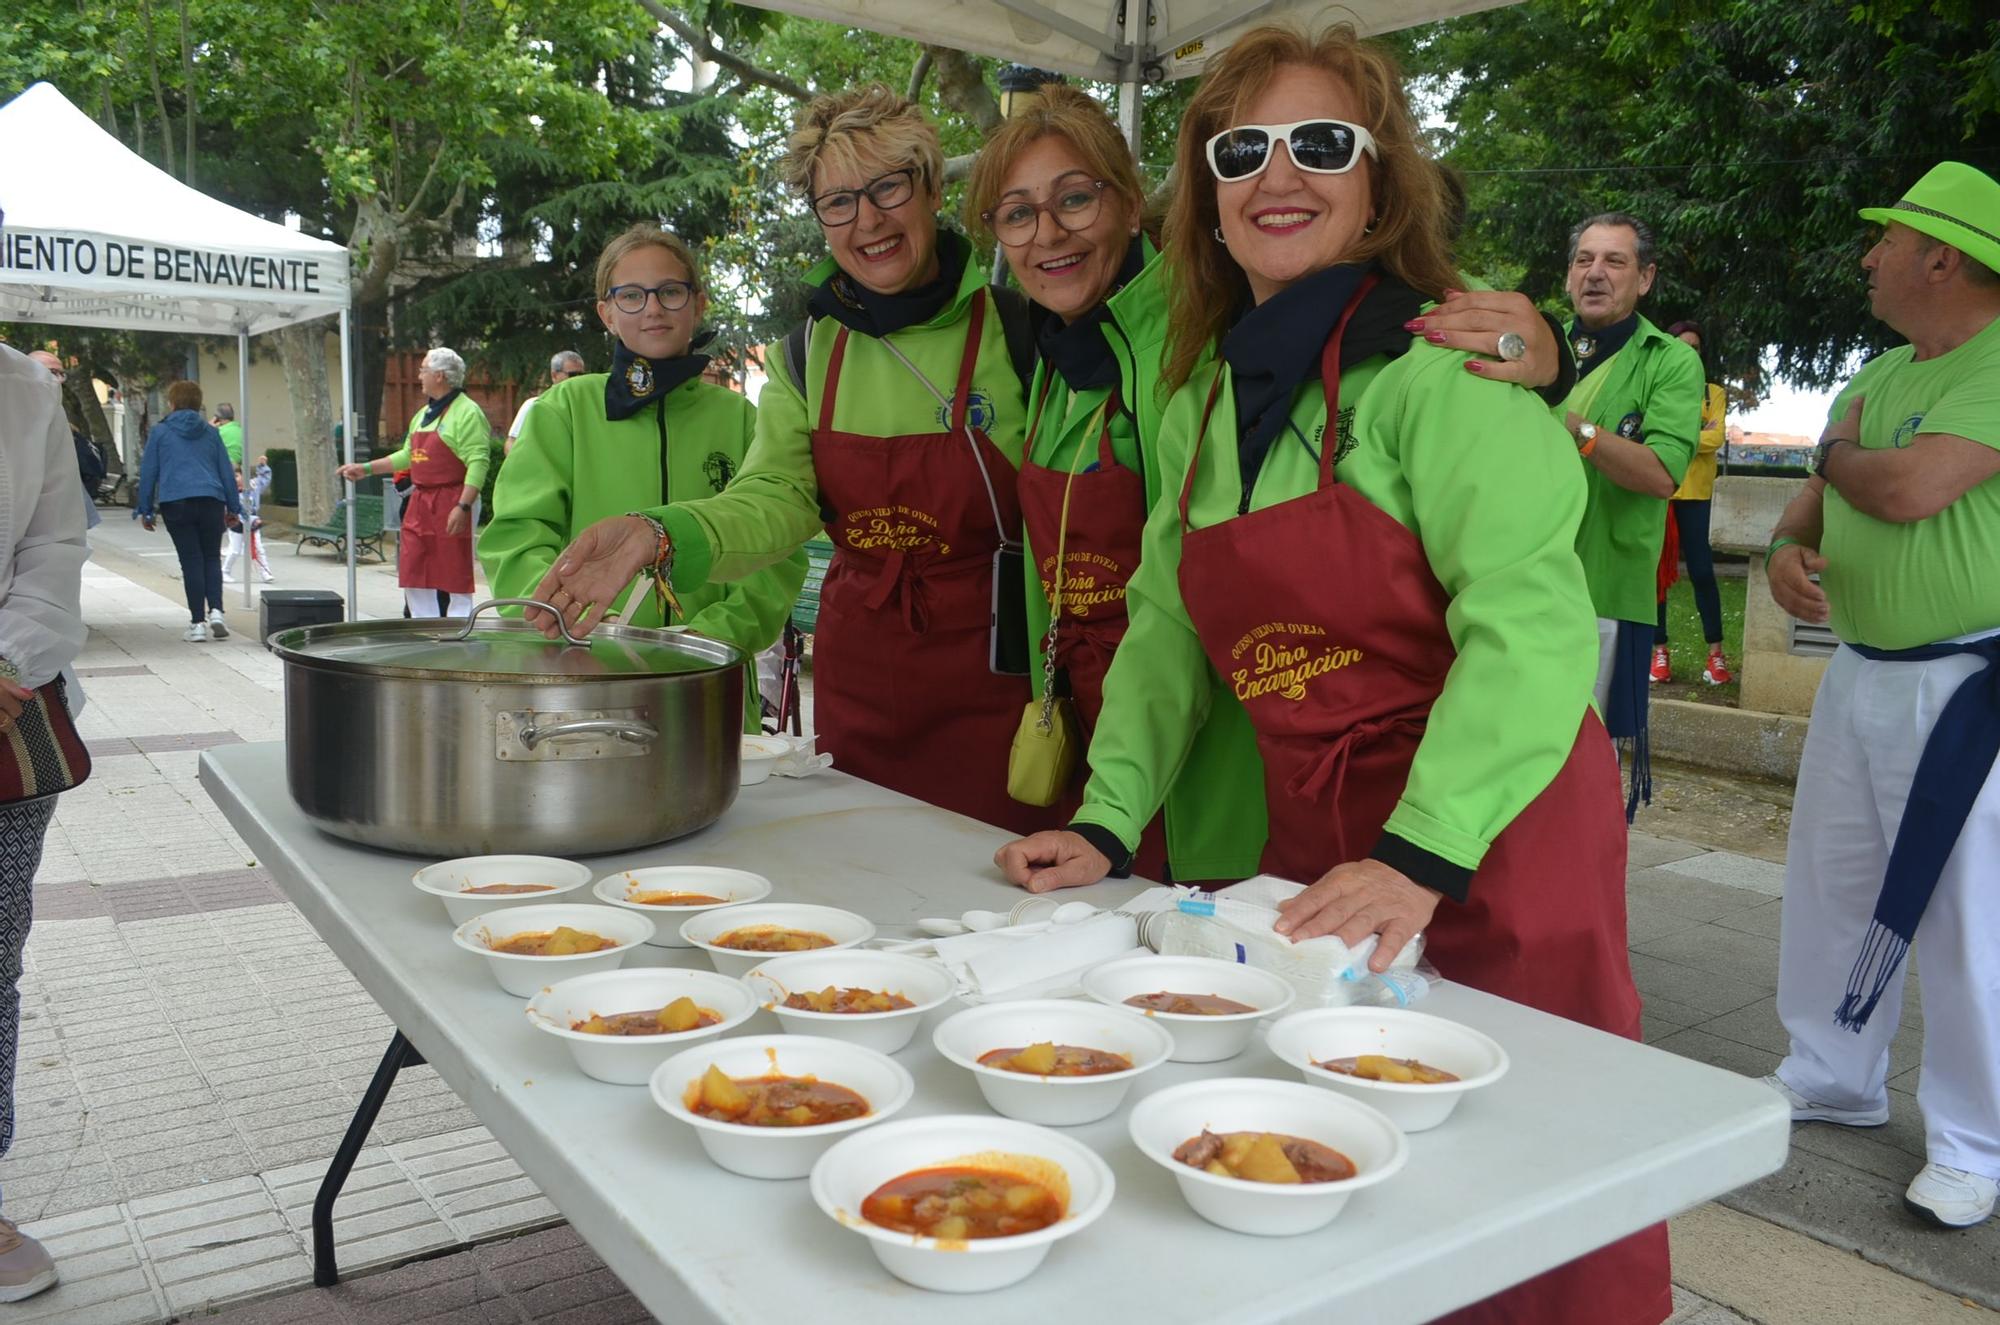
<point x="673" y="296"/>
<point x="1318" y="147"/>
<point x="888" y="192"/>
<point x="1073" y="206"/>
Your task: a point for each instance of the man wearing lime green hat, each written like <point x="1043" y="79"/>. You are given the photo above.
<point x="1896" y="824"/>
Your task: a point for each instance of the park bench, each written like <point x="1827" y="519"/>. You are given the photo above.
<point x="333" y="534"/>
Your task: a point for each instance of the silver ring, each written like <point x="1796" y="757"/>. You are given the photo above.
<point x="1512" y="347"/>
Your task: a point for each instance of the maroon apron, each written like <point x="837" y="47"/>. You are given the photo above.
<point x="1338" y="673"/>
<point x="426" y="556"/>
<point x="903" y="694"/>
<point x="1100" y="550"/>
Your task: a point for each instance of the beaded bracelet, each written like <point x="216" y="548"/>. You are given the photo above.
<point x="661" y="570"/>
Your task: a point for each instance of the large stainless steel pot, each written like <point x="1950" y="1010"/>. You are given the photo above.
<point x="441" y="740"/>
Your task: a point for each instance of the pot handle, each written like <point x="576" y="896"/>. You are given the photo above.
<point x="561" y="624"/>
<point x="625" y="729"/>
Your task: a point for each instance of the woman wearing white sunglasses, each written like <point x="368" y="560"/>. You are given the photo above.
<point x="1374" y="548"/>
<point x="1057" y="188"/>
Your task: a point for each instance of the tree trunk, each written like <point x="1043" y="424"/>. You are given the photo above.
<point x="378" y="237"/>
<point x="302" y="350"/>
<point x="961" y="83"/>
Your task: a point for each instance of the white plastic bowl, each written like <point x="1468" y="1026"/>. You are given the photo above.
<point x="846" y="929"/>
<point x="760" y="756"/>
<point x="855" y="1167"/>
<point x="734" y="887"/>
<point x="1196" y="1039"/>
<point x="448" y="879"/>
<point x="525" y="976"/>
<point x="629" y="1060"/>
<point x="780" y="1152"/>
<point x="1052" y="1101"/>
<point x="925" y="983"/>
<point x="1310" y="1037"/>
<point x="1166" y="1118"/>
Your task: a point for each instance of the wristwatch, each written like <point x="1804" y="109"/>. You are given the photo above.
<point x="465" y="506"/>
<point x="1586" y="437"/>
<point x="1822" y="453"/>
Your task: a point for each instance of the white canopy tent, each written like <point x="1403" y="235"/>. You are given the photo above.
<point x="1112" y="41"/>
<point x="97" y="236"/>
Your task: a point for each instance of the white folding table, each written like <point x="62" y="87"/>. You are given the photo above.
<point x="1587" y="1139"/>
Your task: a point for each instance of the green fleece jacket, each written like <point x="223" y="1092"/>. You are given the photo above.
<point x="1215" y="817"/>
<point x="573" y="466"/>
<point x="1651" y="392"/>
<point x="464" y="429"/>
<point x="1489" y="484"/>
<point x="773" y="507"/>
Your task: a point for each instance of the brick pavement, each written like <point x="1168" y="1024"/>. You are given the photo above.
<point x="191" y="1052"/>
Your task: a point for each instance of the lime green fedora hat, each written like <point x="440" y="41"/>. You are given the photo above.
<point x="1955" y="204"/>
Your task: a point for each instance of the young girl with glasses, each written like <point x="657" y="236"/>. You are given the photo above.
<point x="647" y="432"/>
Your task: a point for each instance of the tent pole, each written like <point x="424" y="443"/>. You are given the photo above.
<point x="1130" y="117"/>
<point x="347" y="444"/>
<point x="243" y="423"/>
<point x="1131" y="113"/>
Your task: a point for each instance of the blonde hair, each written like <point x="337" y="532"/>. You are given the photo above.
<point x="840" y="129"/>
<point x="1060" y="111"/>
<point x="643" y="234"/>
<point x="1409" y="236"/>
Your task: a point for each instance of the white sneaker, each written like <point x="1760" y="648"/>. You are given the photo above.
<point x="1951" y="1197"/>
<point x="197" y="632"/>
<point x="268" y="577"/>
<point x="1807" y="1111"/>
<point x="218" y="628"/>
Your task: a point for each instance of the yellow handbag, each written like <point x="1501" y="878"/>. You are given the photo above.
<point x="1048" y="741"/>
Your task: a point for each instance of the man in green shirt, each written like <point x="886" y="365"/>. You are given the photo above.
<point x="232" y="432"/>
<point x="1897" y="818"/>
<point x="1635" y="415"/>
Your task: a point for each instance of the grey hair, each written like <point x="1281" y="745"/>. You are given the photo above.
<point x="567" y="361"/>
<point x="225" y="411"/>
<point x="442" y="360"/>
<point x="1640" y="229"/>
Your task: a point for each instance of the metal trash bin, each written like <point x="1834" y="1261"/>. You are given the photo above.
<point x="282" y="609"/>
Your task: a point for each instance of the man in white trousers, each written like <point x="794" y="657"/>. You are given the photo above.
<point x="1895" y="836"/>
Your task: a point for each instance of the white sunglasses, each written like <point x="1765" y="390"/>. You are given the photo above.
<point x="1319" y="147"/>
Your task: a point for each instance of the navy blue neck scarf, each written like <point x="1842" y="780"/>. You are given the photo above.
<point x="437" y="407"/>
<point x="636" y="381"/>
<point x="872" y="313"/>
<point x="1595" y="347"/>
<point x="1958" y="757"/>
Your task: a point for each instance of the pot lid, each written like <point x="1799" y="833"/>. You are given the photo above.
<point x="503" y="649"/>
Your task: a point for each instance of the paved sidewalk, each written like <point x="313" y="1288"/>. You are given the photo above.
<point x="191" y="1052"/>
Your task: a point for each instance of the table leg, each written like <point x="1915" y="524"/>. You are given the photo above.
<point x="400" y="1054"/>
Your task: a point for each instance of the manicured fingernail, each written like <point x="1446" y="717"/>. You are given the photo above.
<point x="1414" y="324"/>
<point x="1474" y="366"/>
<point x="1434" y="337"/>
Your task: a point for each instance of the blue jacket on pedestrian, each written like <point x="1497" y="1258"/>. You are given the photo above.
<point x="185" y="458"/>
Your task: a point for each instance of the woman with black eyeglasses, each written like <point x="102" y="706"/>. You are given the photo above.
<point x="894" y="420"/>
<point x="648" y="432"/>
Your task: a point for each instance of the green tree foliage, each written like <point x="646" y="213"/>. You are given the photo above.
<point x="1747" y="131"/>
